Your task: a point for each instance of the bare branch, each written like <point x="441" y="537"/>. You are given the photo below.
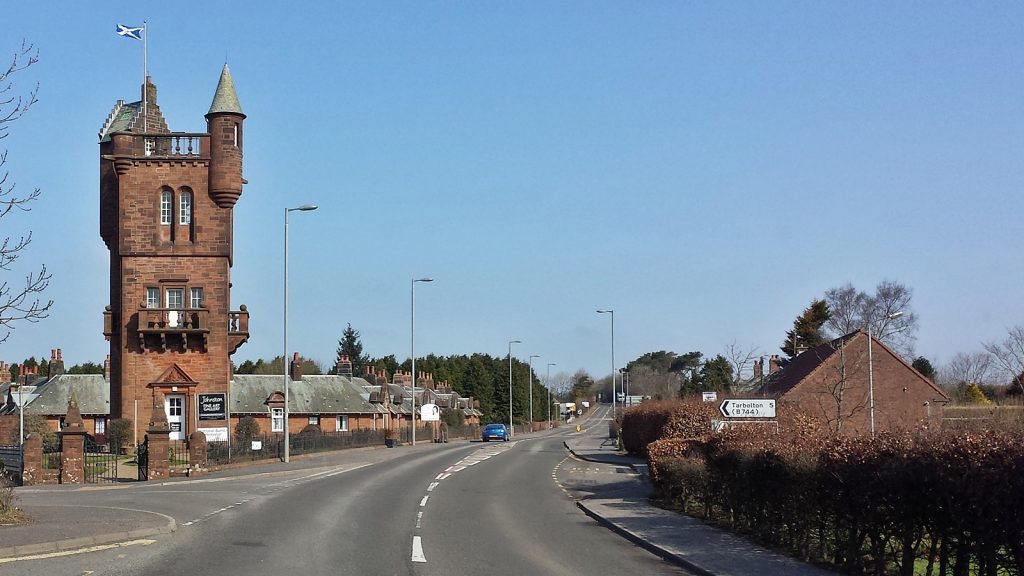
<point x="1009" y="355"/>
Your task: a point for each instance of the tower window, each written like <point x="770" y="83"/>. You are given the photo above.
<point x="185" y="208"/>
<point x="196" y="297"/>
<point x="176" y="298"/>
<point x="165" y="207"/>
<point x="152" y="297"/>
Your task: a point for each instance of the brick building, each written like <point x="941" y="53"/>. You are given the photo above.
<point x="166" y="215"/>
<point x="830" y="383"/>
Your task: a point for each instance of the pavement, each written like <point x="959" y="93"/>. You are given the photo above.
<point x="623" y="507"/>
<point x="679" y="539"/>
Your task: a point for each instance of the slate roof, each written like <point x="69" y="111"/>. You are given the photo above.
<point x="806" y="363"/>
<point x="225" y="99"/>
<point x="802" y="366"/>
<point x="314" y="394"/>
<point x="92" y="391"/>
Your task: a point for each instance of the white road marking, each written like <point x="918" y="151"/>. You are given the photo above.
<point x="78" y="551"/>
<point x="442" y="476"/>
<point x="419" y="519"/>
<point x="417" y="550"/>
<point x="432" y="486"/>
<point x="424" y="501"/>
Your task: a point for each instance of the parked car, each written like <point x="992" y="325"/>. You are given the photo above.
<point x="495" y="432"/>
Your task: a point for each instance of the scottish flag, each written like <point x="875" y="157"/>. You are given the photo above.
<point x="129" y="32"/>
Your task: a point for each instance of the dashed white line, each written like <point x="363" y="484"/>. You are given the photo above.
<point x="432" y="486"/>
<point x="424" y="501"/>
<point x="417" y="550"/>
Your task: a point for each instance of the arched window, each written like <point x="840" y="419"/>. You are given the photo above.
<point x="165" y="207"/>
<point x="185" y="207"/>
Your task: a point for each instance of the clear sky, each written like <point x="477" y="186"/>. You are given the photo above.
<point x="705" y="169"/>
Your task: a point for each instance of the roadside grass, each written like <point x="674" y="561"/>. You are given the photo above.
<point x="9" y="513"/>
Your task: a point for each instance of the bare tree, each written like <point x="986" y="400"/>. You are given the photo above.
<point x="1009" y="355"/>
<point x="742" y="361"/>
<point x="18" y="301"/>
<point x="646" y="381"/>
<point x="886" y="314"/>
<point x="966" y="368"/>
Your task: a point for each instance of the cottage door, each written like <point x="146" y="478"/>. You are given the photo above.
<point x="175" y="407"/>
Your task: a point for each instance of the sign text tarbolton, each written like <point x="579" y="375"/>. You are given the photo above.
<point x="760" y="408"/>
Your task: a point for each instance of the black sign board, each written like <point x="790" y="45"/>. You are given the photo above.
<point x="213" y="407"/>
<point x="175" y="426"/>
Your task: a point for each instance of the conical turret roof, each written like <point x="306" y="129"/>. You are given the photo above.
<point x="225" y="99"/>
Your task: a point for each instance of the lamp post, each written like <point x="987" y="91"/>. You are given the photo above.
<point x="284" y="359"/>
<point x="624" y="380"/>
<point x="530" y="419"/>
<point x="871" y="374"/>
<point x="547" y="383"/>
<point x="510" y="343"/>
<point x="612" y="312"/>
<point x="412" y="347"/>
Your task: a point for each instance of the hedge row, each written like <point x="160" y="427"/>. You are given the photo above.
<point x="906" y="503"/>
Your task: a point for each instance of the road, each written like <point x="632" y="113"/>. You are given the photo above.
<point x="457" y="509"/>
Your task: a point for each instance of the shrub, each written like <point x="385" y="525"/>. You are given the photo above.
<point x="118" y="434"/>
<point x="246" y="429"/>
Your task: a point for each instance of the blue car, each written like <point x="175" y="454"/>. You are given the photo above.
<point x="495" y="432"/>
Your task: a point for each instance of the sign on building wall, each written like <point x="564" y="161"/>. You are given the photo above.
<point x="430" y="413"/>
<point x="213" y="406"/>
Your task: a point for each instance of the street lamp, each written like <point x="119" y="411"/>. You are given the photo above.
<point x="510" y="343"/>
<point x="284" y="359"/>
<point x="412" y="348"/>
<point x="547" y="382"/>
<point x="871" y="374"/>
<point x="532" y="356"/>
<point x="612" y="312"/>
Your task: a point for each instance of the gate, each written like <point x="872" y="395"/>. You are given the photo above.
<point x="100" y="463"/>
<point x="142" y="459"/>
<point x="12" y="462"/>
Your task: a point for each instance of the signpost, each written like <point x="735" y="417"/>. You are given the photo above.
<point x="709" y="396"/>
<point x="757" y="408"/>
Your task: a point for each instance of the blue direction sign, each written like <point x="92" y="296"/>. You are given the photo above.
<point x="758" y="408"/>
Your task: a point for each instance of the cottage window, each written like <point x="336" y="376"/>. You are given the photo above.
<point x="101" y="425"/>
<point x="314" y="420"/>
<point x="277" y="419"/>
<point x="341" y="423"/>
<point x="165" y="207"/>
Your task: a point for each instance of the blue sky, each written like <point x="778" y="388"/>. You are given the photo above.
<point x="705" y="169"/>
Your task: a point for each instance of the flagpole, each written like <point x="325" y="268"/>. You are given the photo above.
<point x="145" y="78"/>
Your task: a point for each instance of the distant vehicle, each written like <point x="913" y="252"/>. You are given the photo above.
<point x="495" y="432"/>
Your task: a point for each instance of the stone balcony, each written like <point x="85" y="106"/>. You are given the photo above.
<point x="161" y="327"/>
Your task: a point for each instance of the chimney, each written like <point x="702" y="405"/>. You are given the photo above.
<point x="5" y="373"/>
<point x="296" y="369"/>
<point x="759" y="368"/>
<point x="106" y="368"/>
<point x="56" y="363"/>
<point x="344" y="366"/>
<point x="773" y="364"/>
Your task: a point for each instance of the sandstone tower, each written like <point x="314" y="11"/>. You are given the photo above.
<point x="166" y="214"/>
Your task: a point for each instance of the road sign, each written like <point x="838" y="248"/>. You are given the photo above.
<point x="709" y="396"/>
<point x="736" y="408"/>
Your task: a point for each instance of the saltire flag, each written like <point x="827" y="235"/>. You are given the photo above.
<point x="129" y="32"/>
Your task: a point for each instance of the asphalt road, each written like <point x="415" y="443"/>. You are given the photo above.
<point x="457" y="509"/>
